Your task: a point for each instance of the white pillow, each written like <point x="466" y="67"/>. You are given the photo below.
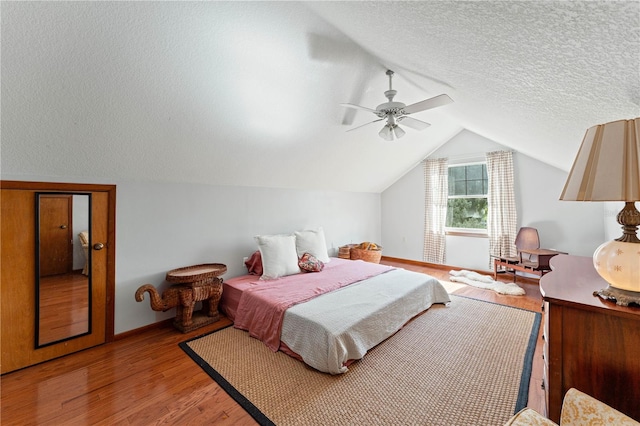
<point x="312" y="242"/>
<point x="279" y="257"/>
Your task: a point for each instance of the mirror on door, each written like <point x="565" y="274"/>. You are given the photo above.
<point x="63" y="262"/>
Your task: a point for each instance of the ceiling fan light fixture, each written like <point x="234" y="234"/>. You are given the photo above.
<point x="386" y="133"/>
<point x="391" y="132"/>
<point x="397" y="131"/>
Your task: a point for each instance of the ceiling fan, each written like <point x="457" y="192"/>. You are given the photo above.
<point x="397" y="112"/>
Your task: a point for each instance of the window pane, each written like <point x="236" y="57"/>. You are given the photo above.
<point x="475" y="187"/>
<point x="456" y="173"/>
<point x="459" y="188"/>
<point x="467" y="213"/>
<point x="468" y="180"/>
<point x="474" y="171"/>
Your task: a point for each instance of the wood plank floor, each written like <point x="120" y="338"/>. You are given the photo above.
<point x="64" y="306"/>
<point x="145" y="378"/>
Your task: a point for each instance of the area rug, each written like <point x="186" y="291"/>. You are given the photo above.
<point x="465" y="364"/>
<point x="482" y="281"/>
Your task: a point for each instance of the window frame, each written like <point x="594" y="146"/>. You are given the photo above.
<point x="467" y="232"/>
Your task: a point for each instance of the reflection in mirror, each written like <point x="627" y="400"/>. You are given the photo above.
<point x="63" y="284"/>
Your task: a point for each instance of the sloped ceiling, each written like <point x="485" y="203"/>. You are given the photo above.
<point x="248" y="93"/>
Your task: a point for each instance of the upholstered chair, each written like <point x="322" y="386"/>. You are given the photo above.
<point x="84" y="241"/>
<point x="578" y="409"/>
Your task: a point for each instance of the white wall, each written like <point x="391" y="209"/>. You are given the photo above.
<point x="402" y="215"/>
<point x="165" y="226"/>
<point x="571" y="226"/>
<point x="574" y="227"/>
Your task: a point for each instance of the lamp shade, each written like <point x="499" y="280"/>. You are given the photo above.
<point x="607" y="167"/>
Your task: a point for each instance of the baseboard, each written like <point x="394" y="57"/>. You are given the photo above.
<point x="449" y="268"/>
<point x="160" y="324"/>
<point x="431" y="265"/>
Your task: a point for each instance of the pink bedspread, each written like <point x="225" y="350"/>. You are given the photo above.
<point x="261" y="308"/>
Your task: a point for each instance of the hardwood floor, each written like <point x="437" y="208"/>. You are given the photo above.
<point x="64" y="306"/>
<point x="145" y="378"/>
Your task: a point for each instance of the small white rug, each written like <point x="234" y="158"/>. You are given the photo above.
<point x="482" y="281"/>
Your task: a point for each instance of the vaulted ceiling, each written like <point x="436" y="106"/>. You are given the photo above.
<point x="248" y="93"/>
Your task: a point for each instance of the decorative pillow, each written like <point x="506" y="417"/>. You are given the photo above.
<point x="312" y="242"/>
<point x="310" y="263"/>
<point x="279" y="257"/>
<point x="254" y="263"/>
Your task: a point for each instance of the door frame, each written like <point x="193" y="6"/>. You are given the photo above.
<point x="84" y="188"/>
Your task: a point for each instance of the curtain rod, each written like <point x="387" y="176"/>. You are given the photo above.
<point x="463" y="157"/>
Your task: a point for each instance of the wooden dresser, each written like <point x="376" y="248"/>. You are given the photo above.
<point x="591" y="344"/>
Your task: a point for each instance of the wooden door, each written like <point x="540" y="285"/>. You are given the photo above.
<point x="55" y="225"/>
<point x="18" y="256"/>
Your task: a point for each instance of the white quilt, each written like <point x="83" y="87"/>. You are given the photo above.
<point x="343" y="325"/>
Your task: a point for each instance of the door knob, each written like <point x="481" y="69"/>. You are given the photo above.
<point x="63" y="226"/>
<point x="98" y="246"/>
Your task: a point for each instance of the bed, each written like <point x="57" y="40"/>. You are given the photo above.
<point x="330" y="318"/>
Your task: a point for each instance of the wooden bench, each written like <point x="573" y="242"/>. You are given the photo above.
<point x="539" y="267"/>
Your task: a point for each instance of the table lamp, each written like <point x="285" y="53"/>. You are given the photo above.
<point x="607" y="168"/>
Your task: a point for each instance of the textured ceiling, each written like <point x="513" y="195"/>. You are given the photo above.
<point x="248" y="93"/>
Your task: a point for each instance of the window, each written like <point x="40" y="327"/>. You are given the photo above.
<point x="467" y="204"/>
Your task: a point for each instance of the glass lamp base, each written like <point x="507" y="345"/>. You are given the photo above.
<point x="621" y="297"/>
<point x="619" y="264"/>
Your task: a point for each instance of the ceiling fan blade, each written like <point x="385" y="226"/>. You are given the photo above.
<point x="365" y="124"/>
<point x="359" y="107"/>
<point x="434" y="102"/>
<point x="414" y="123"/>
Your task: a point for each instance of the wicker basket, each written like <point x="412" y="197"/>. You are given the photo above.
<point x="372" y="256"/>
<point x="344" y="252"/>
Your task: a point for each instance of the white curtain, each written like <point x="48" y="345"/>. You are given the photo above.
<point x="436" y="179"/>
<point x="502" y="215"/>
